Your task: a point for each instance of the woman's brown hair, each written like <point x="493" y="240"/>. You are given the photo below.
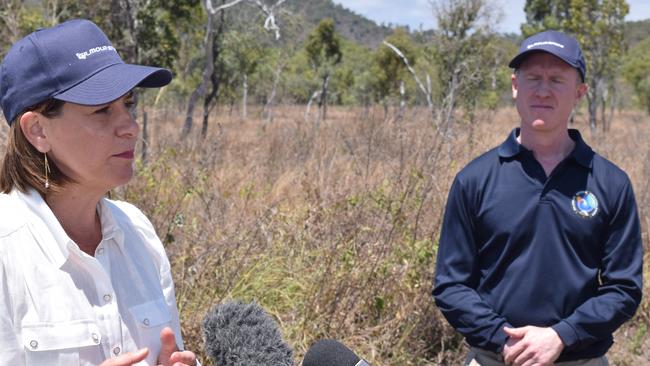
<point x="23" y="166"/>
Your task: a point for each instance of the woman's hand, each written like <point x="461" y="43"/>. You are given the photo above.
<point x="127" y="359"/>
<point x="169" y="353"/>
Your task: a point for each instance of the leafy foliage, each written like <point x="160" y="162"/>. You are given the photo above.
<point x="388" y="68"/>
<point x="323" y="44"/>
<point x="599" y="27"/>
<point x="636" y="70"/>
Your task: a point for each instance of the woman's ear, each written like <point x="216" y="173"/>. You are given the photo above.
<point x="31" y="123"/>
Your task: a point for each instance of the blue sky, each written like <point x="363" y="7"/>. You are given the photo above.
<point x="418" y="12"/>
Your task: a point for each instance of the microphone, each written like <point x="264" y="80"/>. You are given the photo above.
<point x="239" y="334"/>
<point x="328" y="352"/>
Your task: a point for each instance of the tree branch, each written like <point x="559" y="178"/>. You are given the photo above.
<point x="212" y="10"/>
<point x="269" y="23"/>
<point x="425" y="91"/>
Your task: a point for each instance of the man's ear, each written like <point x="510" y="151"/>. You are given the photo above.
<point x="582" y="90"/>
<point x="31" y="123"/>
<point x="513" y="80"/>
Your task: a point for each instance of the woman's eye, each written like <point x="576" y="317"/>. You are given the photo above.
<point x="102" y="110"/>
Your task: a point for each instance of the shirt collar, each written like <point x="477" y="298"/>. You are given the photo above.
<point x="59" y="253"/>
<point x="581" y="153"/>
<point x="110" y="227"/>
<point x="511" y="147"/>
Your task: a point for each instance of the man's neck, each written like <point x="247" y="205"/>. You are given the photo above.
<point x="549" y="148"/>
<point x="77" y="214"/>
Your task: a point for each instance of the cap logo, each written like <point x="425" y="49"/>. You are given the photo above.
<point x="545" y="43"/>
<point x="85" y="54"/>
<point x="585" y="204"/>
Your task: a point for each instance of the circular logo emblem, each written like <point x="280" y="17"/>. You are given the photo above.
<point x="585" y="204"/>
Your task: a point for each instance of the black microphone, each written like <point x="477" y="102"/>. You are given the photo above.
<point x="328" y="352"/>
<point x="238" y="334"/>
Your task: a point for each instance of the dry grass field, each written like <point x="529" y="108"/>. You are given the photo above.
<point x="333" y="228"/>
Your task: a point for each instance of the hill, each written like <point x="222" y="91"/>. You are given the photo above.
<point x="348" y="23"/>
<point x="637" y="31"/>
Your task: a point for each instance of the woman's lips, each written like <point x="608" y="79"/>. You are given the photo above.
<point x="125" y="155"/>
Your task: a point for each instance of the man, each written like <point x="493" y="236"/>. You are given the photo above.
<point x="540" y="255"/>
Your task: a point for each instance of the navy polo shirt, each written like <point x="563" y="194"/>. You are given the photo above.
<point x="519" y="248"/>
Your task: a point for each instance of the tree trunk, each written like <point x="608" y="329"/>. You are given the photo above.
<point x="613" y="102"/>
<point x="309" y="103"/>
<point x="209" y="99"/>
<point x="207" y="72"/>
<point x="402" y="98"/>
<point x="267" y="113"/>
<point x="215" y="79"/>
<point x="244" y="101"/>
<point x="322" y="104"/>
<point x="446" y="114"/>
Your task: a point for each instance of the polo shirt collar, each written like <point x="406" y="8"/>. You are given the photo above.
<point x="581" y="153"/>
<point x="511" y="147"/>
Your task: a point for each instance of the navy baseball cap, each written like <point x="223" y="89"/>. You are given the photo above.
<point x="73" y="62"/>
<point x="556" y="43"/>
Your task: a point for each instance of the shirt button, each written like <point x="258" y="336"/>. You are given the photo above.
<point x="107" y="297"/>
<point x="100" y="251"/>
<point x="146" y="321"/>
<point x="95" y="337"/>
<point x="116" y="351"/>
<point x="33" y="344"/>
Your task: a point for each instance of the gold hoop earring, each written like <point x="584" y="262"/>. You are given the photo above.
<point x="47" y="172"/>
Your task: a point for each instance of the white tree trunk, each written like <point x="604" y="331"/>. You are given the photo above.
<point x="311" y="100"/>
<point x="267" y="113"/>
<point x="402" y="97"/>
<point x="244" y="102"/>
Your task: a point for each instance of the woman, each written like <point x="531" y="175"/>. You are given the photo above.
<point x="83" y="280"/>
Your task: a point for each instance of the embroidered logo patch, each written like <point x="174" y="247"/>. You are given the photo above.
<point x="585" y="204"/>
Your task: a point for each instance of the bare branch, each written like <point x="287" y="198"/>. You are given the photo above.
<point x="269" y="11"/>
<point x="269" y="23"/>
<point x="426" y="91"/>
<point x="212" y="10"/>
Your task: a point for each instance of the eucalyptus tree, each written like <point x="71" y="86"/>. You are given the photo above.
<point x="636" y="71"/>
<point x="324" y="51"/>
<point x="466" y="57"/>
<point x="391" y="67"/>
<point x="212" y="52"/>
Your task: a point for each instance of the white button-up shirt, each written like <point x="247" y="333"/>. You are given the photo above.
<point x="60" y="306"/>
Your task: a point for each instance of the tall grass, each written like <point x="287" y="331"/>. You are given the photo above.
<point x="333" y="229"/>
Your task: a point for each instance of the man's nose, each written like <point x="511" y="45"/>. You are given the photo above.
<point x="543" y="89"/>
